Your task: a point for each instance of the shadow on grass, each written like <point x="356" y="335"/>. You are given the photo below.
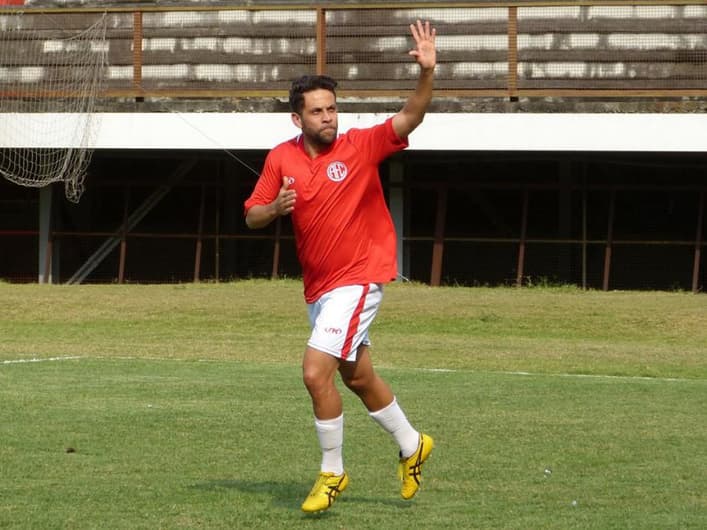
<point x="283" y="494"/>
<point x="289" y="495"/>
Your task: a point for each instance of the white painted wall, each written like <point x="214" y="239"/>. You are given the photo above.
<point x="439" y="132"/>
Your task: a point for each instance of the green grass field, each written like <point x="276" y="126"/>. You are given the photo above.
<point x="181" y="406"/>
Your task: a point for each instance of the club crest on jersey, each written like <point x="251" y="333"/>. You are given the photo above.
<point x="337" y="171"/>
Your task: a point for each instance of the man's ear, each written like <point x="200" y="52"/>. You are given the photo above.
<point x="297" y="120"/>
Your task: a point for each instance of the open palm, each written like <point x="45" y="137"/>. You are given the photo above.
<point x="425" y="52"/>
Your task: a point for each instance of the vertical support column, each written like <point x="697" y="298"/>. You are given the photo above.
<point x="123" y="238"/>
<point x="276" y="249"/>
<point x="609" y="241"/>
<point x="200" y="236"/>
<point x="50" y="264"/>
<point x="438" y="245"/>
<point x="397" y="211"/>
<point x="44" y="266"/>
<point x="137" y="55"/>
<point x="523" y="235"/>
<point x="217" y="240"/>
<point x="321" y="41"/>
<point x="513" y="53"/>
<point x="698" y="244"/>
<point x="584" y="237"/>
<point x="230" y="213"/>
<point x="564" y="221"/>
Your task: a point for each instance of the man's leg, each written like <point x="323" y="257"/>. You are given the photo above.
<point x="376" y="395"/>
<point x="318" y="372"/>
<point x="361" y="378"/>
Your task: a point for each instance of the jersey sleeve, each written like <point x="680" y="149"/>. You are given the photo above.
<point x="268" y="185"/>
<point x="379" y="141"/>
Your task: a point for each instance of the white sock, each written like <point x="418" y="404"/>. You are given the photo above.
<point x="393" y="419"/>
<point x="331" y="440"/>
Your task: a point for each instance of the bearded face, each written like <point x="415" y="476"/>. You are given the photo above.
<point x="318" y="119"/>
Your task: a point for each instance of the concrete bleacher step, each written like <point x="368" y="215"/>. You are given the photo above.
<point x="573" y="47"/>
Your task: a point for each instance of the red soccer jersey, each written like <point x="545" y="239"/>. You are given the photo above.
<point x="343" y="229"/>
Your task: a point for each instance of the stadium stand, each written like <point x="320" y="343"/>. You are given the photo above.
<point x="596" y="218"/>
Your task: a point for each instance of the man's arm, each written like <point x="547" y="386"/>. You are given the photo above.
<point x="412" y="113"/>
<point x="261" y="215"/>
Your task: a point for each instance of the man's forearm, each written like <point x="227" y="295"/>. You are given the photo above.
<point x="413" y="112"/>
<point x="417" y="103"/>
<point x="261" y="215"/>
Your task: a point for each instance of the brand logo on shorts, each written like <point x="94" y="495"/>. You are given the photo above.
<point x="333" y="331"/>
<point x="290" y="180"/>
<point x="337" y="171"/>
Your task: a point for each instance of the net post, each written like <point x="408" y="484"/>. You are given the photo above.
<point x="45" y="234"/>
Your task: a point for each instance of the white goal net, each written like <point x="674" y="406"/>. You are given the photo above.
<point x="48" y="73"/>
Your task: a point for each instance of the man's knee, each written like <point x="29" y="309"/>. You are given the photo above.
<point x="359" y="383"/>
<point x="318" y="371"/>
<point x="313" y="378"/>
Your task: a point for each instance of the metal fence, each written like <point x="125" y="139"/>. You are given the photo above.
<point x="491" y="49"/>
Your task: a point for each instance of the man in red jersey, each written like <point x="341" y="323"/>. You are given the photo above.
<point x="330" y="186"/>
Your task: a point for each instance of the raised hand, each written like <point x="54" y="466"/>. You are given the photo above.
<point x="425" y="52"/>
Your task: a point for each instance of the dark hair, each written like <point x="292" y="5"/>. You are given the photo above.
<point x="307" y="83"/>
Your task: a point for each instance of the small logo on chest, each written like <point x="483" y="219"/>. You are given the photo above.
<point x="337" y="171"/>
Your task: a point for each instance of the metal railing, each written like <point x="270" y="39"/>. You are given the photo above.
<point x="619" y="49"/>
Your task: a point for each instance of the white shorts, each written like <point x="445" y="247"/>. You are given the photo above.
<point x="340" y="319"/>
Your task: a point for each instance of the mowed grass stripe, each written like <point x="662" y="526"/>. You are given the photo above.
<point x="558" y="330"/>
<point x="223" y="444"/>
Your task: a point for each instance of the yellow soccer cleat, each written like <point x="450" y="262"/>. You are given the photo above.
<point x="410" y="469"/>
<point x="324" y="492"/>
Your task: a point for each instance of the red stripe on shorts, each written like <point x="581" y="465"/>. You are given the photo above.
<point x="353" y="323"/>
